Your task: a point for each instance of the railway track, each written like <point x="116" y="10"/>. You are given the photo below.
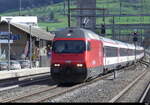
<point x="118" y="97"/>
<point x="17" y="80"/>
<point x="49" y="92"/>
<point x="144" y="98"/>
<point x="26" y="81"/>
<point x="54" y="91"/>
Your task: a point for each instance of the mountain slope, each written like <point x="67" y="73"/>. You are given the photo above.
<point x="11" y="5"/>
<point x="52" y="16"/>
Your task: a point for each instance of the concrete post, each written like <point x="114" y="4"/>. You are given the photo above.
<point x="44" y="60"/>
<point x="0" y="50"/>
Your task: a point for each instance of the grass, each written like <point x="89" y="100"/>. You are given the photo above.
<point x="52" y="26"/>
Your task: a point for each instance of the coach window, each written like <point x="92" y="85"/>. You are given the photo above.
<point x="110" y="51"/>
<point x="123" y="52"/>
<point x="139" y="52"/>
<point x="131" y="52"/>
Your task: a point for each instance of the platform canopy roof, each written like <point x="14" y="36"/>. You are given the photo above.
<point x="34" y="31"/>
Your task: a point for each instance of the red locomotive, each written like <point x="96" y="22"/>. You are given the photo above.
<point x="79" y="54"/>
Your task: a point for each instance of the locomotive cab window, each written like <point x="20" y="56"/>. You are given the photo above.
<point x="68" y="46"/>
<point x="88" y="46"/>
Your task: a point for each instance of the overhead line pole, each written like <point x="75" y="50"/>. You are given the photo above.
<point x="142" y="20"/>
<point x="120" y="18"/>
<point x="69" y="16"/>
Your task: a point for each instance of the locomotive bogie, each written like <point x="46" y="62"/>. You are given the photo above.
<point x="69" y="75"/>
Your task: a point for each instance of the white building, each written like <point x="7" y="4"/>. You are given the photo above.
<point x="23" y="20"/>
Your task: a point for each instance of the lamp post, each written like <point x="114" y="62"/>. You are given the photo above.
<point x="8" y="20"/>
<point x="19" y="7"/>
<point x="120" y="10"/>
<point x="135" y="39"/>
<point x="30" y="48"/>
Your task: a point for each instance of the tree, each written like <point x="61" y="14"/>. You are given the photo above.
<point x="52" y="15"/>
<point x="8" y="5"/>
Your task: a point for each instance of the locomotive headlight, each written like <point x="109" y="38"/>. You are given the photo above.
<point x="79" y="65"/>
<point x="57" y="65"/>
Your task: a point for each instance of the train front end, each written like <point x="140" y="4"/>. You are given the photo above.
<point x="68" y="60"/>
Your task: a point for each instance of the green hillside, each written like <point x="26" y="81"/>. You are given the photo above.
<point x="53" y="16"/>
<point x="44" y="14"/>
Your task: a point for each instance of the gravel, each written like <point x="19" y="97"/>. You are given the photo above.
<point x="25" y="89"/>
<point x="135" y="93"/>
<point x="101" y="91"/>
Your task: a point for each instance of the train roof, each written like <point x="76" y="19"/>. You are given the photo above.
<point x="76" y="32"/>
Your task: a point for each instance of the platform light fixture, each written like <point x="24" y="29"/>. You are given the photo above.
<point x="20" y="7"/>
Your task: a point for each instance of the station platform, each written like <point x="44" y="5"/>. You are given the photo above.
<point x="23" y="72"/>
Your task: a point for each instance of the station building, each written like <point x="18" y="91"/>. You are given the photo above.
<point x="21" y="32"/>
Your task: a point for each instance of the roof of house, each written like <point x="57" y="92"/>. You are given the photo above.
<point x="34" y="31"/>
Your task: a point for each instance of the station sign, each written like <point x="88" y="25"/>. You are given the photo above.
<point x="4" y="33"/>
<point x="5" y="41"/>
<point x="2" y="37"/>
<point x="5" y="36"/>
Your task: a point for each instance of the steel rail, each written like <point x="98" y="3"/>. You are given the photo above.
<point x="49" y="89"/>
<point x="22" y="84"/>
<point x="78" y="86"/>
<point x="141" y="100"/>
<point x="41" y="99"/>
<point x="18" y="84"/>
<point x="117" y="97"/>
<point x="27" y="95"/>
